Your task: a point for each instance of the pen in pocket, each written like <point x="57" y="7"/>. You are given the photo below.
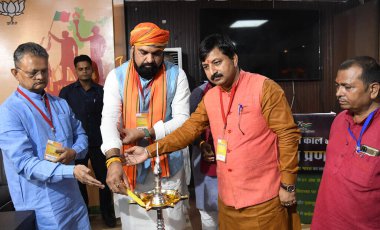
<point x="240" y="110"/>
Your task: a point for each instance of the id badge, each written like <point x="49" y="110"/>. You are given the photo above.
<point x="221" y="150"/>
<point x="51" y="147"/>
<point x="142" y="120"/>
<point x="370" y="151"/>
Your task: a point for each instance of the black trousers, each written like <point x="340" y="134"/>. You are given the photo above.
<point x="98" y="162"/>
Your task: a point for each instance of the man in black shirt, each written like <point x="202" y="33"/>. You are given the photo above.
<point x="85" y="97"/>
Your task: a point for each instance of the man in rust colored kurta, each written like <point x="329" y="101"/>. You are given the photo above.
<point x="256" y="140"/>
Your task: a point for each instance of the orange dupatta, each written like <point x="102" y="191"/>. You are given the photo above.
<point x="157" y="111"/>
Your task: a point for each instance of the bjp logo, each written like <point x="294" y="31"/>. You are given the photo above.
<point x="12" y="9"/>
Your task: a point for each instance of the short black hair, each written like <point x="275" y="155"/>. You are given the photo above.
<point x="220" y="41"/>
<point x="29" y="48"/>
<point x="81" y="58"/>
<point x="370" y="68"/>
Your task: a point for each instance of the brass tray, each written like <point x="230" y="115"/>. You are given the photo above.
<point x="170" y="197"/>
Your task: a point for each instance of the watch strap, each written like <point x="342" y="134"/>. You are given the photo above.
<point x="288" y="188"/>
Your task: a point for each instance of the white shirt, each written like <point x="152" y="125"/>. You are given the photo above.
<point x="112" y="111"/>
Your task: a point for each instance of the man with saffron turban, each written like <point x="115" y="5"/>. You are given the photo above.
<point x="145" y="99"/>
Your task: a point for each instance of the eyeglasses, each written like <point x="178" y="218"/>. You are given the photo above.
<point x="43" y="72"/>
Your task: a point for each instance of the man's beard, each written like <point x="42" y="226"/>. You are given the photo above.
<point x="147" y="72"/>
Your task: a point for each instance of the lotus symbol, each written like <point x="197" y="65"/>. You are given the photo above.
<point x="12" y="9"/>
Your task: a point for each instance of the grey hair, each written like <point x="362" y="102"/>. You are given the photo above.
<point x="29" y="48"/>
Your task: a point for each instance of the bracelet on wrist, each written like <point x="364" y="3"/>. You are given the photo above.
<point x="146" y="133"/>
<point x="113" y="156"/>
<point x="112" y="159"/>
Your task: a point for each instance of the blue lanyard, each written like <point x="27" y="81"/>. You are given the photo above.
<point x="365" y="126"/>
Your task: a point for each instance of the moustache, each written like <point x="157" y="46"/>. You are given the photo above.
<point x="148" y="65"/>
<point x="215" y="75"/>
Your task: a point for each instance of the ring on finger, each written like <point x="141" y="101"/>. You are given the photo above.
<point x="287" y="204"/>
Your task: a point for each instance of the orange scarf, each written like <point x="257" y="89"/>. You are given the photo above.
<point x="157" y="111"/>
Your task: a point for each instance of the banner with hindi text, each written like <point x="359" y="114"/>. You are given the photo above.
<point x="315" y="129"/>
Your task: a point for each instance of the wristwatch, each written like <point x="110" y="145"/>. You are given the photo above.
<point x="288" y="188"/>
<point x="147" y="134"/>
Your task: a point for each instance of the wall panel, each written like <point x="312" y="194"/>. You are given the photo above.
<point x="339" y="40"/>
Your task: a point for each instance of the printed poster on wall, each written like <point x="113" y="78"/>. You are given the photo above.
<point x="65" y="28"/>
<point x="315" y="129"/>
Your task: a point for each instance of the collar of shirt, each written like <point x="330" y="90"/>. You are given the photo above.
<point x="145" y="82"/>
<point x="34" y="96"/>
<point x="93" y="85"/>
<point x="350" y="119"/>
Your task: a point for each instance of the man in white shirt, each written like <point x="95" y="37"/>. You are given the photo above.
<point x="144" y="100"/>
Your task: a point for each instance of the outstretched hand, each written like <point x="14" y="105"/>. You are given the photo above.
<point x="116" y="180"/>
<point x="82" y="173"/>
<point x="135" y="155"/>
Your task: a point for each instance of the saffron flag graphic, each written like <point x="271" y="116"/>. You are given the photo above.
<point x="61" y="16"/>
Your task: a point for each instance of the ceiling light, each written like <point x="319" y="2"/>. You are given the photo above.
<point x="247" y="23"/>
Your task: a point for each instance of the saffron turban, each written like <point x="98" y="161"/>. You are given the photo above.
<point x="147" y="33"/>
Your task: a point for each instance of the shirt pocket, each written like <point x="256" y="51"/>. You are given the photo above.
<point x="359" y="169"/>
<point x="249" y="120"/>
<point x="65" y="131"/>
